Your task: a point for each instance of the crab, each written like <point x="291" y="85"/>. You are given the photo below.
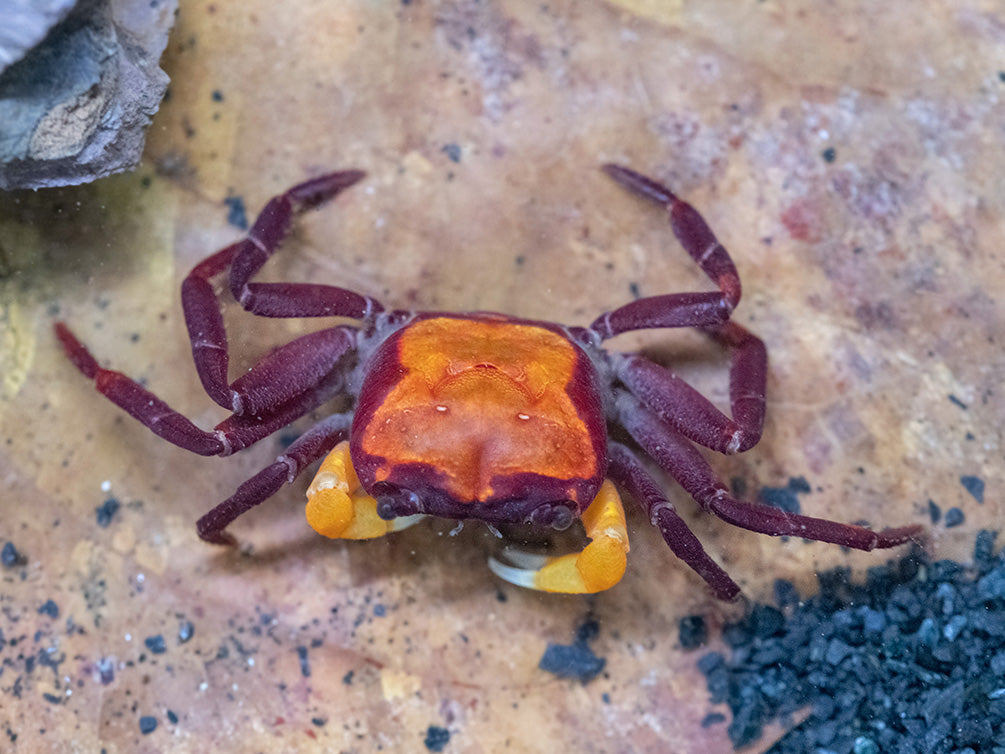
<point x="478" y="415"/>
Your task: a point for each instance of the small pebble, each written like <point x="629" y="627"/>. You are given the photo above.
<point x="437" y="738"/>
<point x="692" y="631"/>
<point x="237" y="215"/>
<point x="104" y="514"/>
<point x="148" y="724"/>
<point x="974" y="485"/>
<point x="305" y="666"/>
<point x="954" y="517"/>
<point x="452" y="151"/>
<point x="574" y="660"/>
<point x="10" y="556"/>
<point x="186" y="629"/>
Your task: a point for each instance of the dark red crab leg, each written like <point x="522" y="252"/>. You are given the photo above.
<point x="626" y="470"/>
<point x="676" y="309"/>
<point x="308" y="448"/>
<point x="688" y="467"/>
<point x="244" y="259"/>
<point x="691" y="413"/>
<point x="229" y="436"/>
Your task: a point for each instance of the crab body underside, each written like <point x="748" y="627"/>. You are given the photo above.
<point x="478" y="415"/>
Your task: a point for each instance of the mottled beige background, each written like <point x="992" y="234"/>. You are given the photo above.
<point x="873" y="277"/>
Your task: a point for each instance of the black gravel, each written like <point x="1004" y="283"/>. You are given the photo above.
<point x="305" y="665"/>
<point x="105" y="513"/>
<point x="437" y="738"/>
<point x="910" y="662"/>
<point x="974" y="485"/>
<point x="148" y="724"/>
<point x="575" y="660"/>
<point x="237" y="215"/>
<point x="692" y="632"/>
<point x="786" y="497"/>
<point x="10" y="557"/>
<point x="186" y="630"/>
<point x="954" y="517"/>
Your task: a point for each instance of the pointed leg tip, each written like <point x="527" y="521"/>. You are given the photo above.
<point x="627" y="177"/>
<point x="900" y="535"/>
<point x="75" y="351"/>
<point x="614" y="170"/>
<point x="346" y="178"/>
<point x="223" y="538"/>
<point x="728" y="593"/>
<point x="639" y="184"/>
<point x="316" y="191"/>
<point x="64" y="334"/>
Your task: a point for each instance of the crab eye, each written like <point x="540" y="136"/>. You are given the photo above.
<point x="398" y="503"/>
<point x="558" y="516"/>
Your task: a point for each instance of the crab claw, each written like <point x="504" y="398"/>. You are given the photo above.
<point x="338" y="507"/>
<point x="599" y="566"/>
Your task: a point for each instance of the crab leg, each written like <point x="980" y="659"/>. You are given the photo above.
<point x="691" y="413"/>
<point x="599" y="566"/>
<point x="676" y="309"/>
<point x="688" y="467"/>
<point x="244" y="259"/>
<point x="626" y="470"/>
<point x="282" y="374"/>
<point x="301" y="453"/>
<point x="338" y="507"/>
<point x="272" y="225"/>
<point x="229" y="436"/>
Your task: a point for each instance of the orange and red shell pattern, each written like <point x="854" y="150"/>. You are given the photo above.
<point x="480" y="416"/>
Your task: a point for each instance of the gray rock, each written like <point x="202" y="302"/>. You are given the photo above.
<point x="75" y="107"/>
<point x="26" y="22"/>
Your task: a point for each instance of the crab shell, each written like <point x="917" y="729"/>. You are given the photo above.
<point x="480" y="416"/>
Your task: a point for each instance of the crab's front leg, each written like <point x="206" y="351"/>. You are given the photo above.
<point x="304" y="451"/>
<point x="626" y="469"/>
<point x="676" y="309"/>
<point x="599" y="566"/>
<point x="338" y="507"/>
<point x="243" y="260"/>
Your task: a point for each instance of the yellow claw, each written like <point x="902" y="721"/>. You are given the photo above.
<point x="599" y="566"/>
<point x="338" y="507"/>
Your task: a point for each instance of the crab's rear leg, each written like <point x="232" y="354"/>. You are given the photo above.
<point x="675" y="401"/>
<point x="688" y="467"/>
<point x="691" y="413"/>
<point x="272" y="225"/>
<point x="599" y="566"/>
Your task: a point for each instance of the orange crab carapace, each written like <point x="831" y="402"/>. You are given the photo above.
<point x="474" y="402"/>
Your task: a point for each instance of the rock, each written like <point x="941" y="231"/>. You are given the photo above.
<point x="78" y="88"/>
